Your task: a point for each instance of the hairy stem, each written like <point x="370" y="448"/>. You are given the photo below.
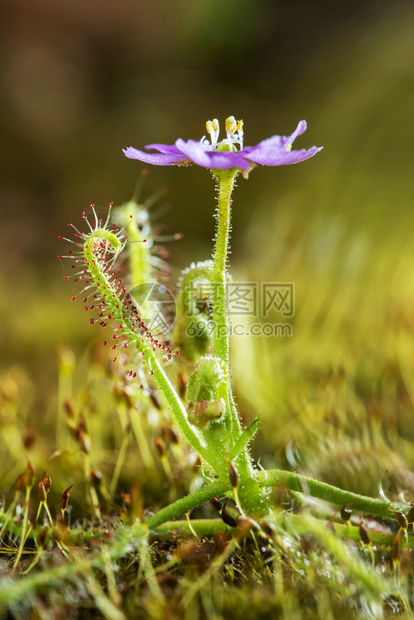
<point x="176" y="407"/>
<point x="297" y="482"/>
<point x="225" y="180"/>
<point x="187" y="503"/>
<point x="250" y="494"/>
<point x="221" y="338"/>
<point x="210" y="527"/>
<point x="284" y="479"/>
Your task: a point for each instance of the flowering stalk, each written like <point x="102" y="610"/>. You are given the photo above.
<point x="225" y="179"/>
<point x="252" y="496"/>
<point x="210" y="400"/>
<point x="221" y="340"/>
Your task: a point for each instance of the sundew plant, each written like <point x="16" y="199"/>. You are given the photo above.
<point x="222" y="524"/>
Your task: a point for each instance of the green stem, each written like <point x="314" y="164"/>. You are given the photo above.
<point x="175" y="405"/>
<point x="225" y="179"/>
<point x="297" y="482"/>
<point x="250" y="493"/>
<point x="187" y="503"/>
<point x="210" y="527"/>
<point x="284" y="479"/>
<point x="221" y="338"/>
<point x="272" y="478"/>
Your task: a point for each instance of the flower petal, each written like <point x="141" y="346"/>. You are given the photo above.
<point x="279" y="142"/>
<point x="279" y="157"/>
<point x="163" y="148"/>
<point x="300" y="129"/>
<point x="275" y="151"/>
<point x="211" y="159"/>
<point x="157" y="159"/>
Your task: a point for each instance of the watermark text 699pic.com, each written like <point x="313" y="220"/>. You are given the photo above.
<point x="254" y="309"/>
<point x="269" y="330"/>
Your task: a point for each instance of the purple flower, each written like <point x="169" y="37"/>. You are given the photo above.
<point x="275" y="151"/>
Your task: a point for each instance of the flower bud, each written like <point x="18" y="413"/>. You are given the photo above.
<point x="227" y="518"/>
<point x="82" y="428"/>
<point x="96" y="478"/>
<point x="401" y="518"/>
<point x="47" y="481"/>
<point x="170" y="435"/>
<point x="233" y="474"/>
<point x="246" y="524"/>
<point x="197" y="465"/>
<point x="192" y="330"/>
<point x="192" y="336"/>
<point x="64" y="500"/>
<point x="410" y="514"/>
<point x="161" y="448"/>
<point x="126" y="498"/>
<point x="69" y="408"/>
<point x="396" y="549"/>
<point x="41" y="492"/>
<point x="21" y="483"/>
<point x="216" y="504"/>
<point x="29" y="437"/>
<point x="43" y="537"/>
<point x="84" y="442"/>
<point x="364" y="534"/>
<point x="155" y="399"/>
<point x="346" y="512"/>
<point x="123" y="395"/>
<point x="268" y="528"/>
<point x="206" y="391"/>
<point x="203" y="412"/>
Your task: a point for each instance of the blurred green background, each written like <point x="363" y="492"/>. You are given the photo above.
<point x="82" y="80"/>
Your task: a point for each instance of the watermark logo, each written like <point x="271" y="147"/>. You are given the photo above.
<point x="243" y="299"/>
<point x="278" y="297"/>
<point x="247" y="301"/>
<point x="156" y="306"/>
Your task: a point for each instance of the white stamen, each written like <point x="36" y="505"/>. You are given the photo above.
<point x="234" y="132"/>
<point x="231" y="128"/>
<point x="205" y="143"/>
<point x="240" y="133"/>
<point x="213" y="129"/>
